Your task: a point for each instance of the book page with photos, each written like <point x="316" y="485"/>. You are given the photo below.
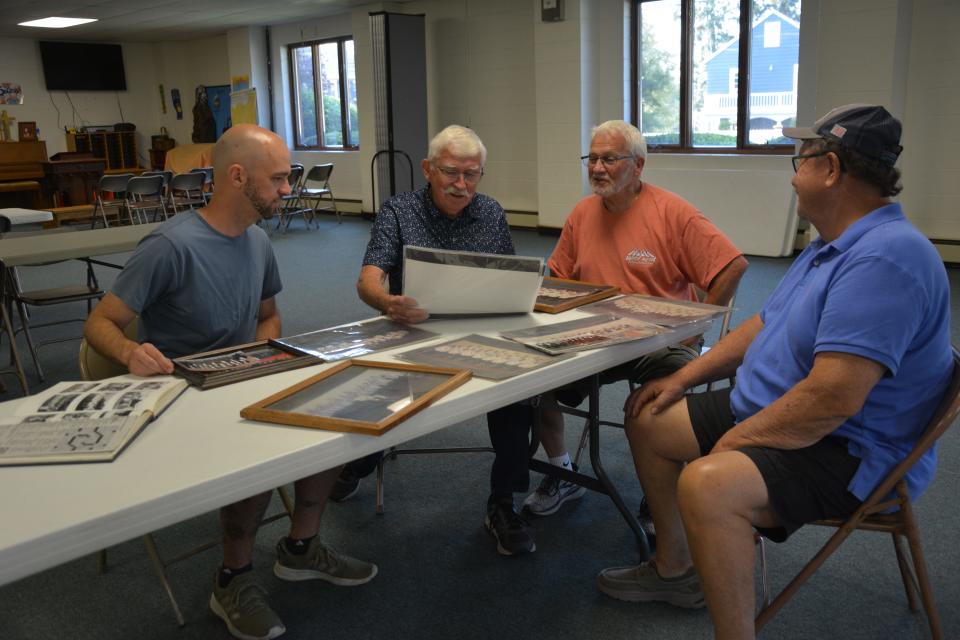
<point x="83" y="421"/>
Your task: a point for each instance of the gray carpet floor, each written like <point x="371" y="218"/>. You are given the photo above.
<point x="440" y="575"/>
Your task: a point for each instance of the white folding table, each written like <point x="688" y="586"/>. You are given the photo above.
<point x="200" y="455"/>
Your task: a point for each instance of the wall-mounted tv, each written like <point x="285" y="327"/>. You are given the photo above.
<point x="83" y="66"/>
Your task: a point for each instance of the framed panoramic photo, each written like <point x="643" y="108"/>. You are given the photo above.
<point x="559" y="294"/>
<point x="232" y="364"/>
<point x="358" y="396"/>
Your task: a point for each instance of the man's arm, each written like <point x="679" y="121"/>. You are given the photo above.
<point x="268" y="319"/>
<point x="721" y="361"/>
<point x="104" y="331"/>
<point x="370" y="288"/>
<point x="835" y="389"/>
<point x="725" y="283"/>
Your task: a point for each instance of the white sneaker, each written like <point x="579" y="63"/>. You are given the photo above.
<point x="551" y="494"/>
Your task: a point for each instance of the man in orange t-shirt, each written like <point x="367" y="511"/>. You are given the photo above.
<point x="642" y="239"/>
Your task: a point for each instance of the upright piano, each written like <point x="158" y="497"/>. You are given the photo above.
<point x="22" y="174"/>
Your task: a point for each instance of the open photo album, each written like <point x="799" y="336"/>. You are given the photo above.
<point x="84" y="421"/>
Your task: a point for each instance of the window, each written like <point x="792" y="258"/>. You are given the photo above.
<point x="325" y="69"/>
<point x="688" y="59"/>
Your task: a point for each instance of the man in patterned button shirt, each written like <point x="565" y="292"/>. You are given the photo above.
<point x="448" y="213"/>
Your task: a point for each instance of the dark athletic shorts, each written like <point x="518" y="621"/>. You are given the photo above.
<point x="804" y="484"/>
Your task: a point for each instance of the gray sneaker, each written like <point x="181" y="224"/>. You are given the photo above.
<point x="642" y="583"/>
<point x="243" y="604"/>
<point x="322" y="562"/>
<point x="551" y="495"/>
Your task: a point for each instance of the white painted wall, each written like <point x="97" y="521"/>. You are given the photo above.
<point x="139" y="104"/>
<point x="931" y="156"/>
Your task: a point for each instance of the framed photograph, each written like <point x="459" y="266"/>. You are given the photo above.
<point x="27" y="131"/>
<point x="484" y="357"/>
<point x="662" y="311"/>
<point x="591" y="332"/>
<point x="354" y="340"/>
<point x="232" y="364"/>
<point x="559" y="294"/>
<point x="358" y="396"/>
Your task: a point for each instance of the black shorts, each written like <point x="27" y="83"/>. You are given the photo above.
<point x="803" y="484"/>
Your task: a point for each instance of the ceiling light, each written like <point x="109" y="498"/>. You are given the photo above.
<point x="57" y="23"/>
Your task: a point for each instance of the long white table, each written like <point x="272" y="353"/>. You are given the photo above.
<point x="200" y="455"/>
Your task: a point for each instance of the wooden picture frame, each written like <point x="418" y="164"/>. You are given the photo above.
<point x="27" y="131"/>
<point x="358" y="396"/>
<point x="575" y="294"/>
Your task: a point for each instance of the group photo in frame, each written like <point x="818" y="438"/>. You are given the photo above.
<point x="233" y="364"/>
<point x="353" y="340"/>
<point x="358" y="396"/>
<point x="663" y="311"/>
<point x="559" y="294"/>
<point x="485" y="357"/>
<point x="591" y="332"/>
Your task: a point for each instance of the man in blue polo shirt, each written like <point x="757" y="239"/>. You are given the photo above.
<point x="835" y="380"/>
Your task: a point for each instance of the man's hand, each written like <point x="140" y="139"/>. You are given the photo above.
<point x="661" y="392"/>
<point x="146" y="360"/>
<point x="404" y="309"/>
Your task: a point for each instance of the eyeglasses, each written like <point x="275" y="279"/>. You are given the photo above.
<point x="608" y="161"/>
<point x="471" y="176"/>
<point x="802" y="156"/>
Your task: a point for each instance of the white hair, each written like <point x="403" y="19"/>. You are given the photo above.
<point x="636" y="145"/>
<point x="459" y="141"/>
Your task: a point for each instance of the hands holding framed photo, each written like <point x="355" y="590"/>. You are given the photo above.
<point x="358" y="396"/>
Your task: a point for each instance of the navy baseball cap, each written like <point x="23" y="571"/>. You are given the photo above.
<point x="868" y="129"/>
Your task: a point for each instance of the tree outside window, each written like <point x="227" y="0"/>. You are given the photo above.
<point x="326" y="69"/>
<point x="689" y="61"/>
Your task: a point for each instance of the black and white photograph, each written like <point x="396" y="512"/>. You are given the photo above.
<point x="559" y="294"/>
<point x="584" y="333"/>
<point x="225" y="366"/>
<point x="361" y="396"/>
<point x="667" y="313"/>
<point x="486" y="357"/>
<point x="355" y="340"/>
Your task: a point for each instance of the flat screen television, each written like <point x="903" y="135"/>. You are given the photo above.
<point x="82" y="66"/>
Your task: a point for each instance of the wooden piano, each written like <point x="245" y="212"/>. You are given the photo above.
<point x="22" y="174"/>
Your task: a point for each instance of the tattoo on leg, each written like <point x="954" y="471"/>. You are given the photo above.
<point x="241" y="519"/>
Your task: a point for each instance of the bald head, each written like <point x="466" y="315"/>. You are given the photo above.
<point x="243" y="144"/>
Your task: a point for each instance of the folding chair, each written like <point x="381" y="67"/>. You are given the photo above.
<point x="47" y="297"/>
<point x="290" y="204"/>
<point x="94" y="366"/>
<point x="899" y="524"/>
<point x="319" y="173"/>
<point x="111" y="197"/>
<point x="144" y="194"/>
<point x="207" y="189"/>
<point x="186" y="191"/>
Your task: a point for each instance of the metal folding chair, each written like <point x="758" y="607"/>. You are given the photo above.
<point x="316" y="195"/>
<point x="186" y="191"/>
<point x="111" y="198"/>
<point x="900" y="524"/>
<point x="145" y="194"/>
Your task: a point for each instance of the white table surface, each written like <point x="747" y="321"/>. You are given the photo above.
<point x="49" y="247"/>
<point x="200" y="455"/>
<point x="25" y="216"/>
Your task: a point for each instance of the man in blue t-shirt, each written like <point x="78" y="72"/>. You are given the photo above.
<point x="207" y="279"/>
<point x="836" y="379"/>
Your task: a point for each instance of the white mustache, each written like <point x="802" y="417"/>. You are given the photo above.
<point x="453" y="191"/>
